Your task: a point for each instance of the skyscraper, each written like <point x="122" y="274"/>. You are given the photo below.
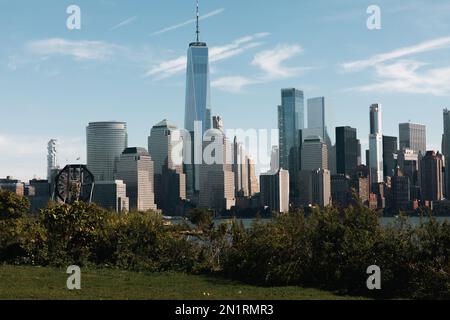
<point x="290" y="119"/>
<point x="275" y="190"/>
<point x="390" y="148"/>
<point x="197" y="107"/>
<point x="346" y="150"/>
<point x="446" y="150"/>
<point x="198" y="104"/>
<point x="105" y="143"/>
<point x="314" y="154"/>
<point x="413" y="136"/>
<point x="401" y="191"/>
<point x="135" y="169"/>
<point x="217" y="187"/>
<point x="170" y="180"/>
<point x="376" y="144"/>
<point x="431" y="176"/>
<point x="52" y="159"/>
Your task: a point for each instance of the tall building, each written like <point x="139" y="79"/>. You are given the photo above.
<point x="240" y="169"/>
<point x="275" y="190"/>
<point x="52" y="159"/>
<point x="376" y="144"/>
<point x="314" y="154"/>
<point x="217" y="187"/>
<point x="105" y="143"/>
<point x="291" y="119"/>
<point x="321" y="187"/>
<point x="408" y="163"/>
<point x="413" y="136"/>
<point x="197" y="107"/>
<point x="170" y="180"/>
<point x="446" y="150"/>
<point x="253" y="183"/>
<point x="431" y="176"/>
<point x="401" y="191"/>
<point x="317" y="119"/>
<point x="198" y="104"/>
<point x="340" y="190"/>
<point x="135" y="169"/>
<point x="111" y="195"/>
<point x="42" y="194"/>
<point x="390" y="148"/>
<point x="346" y="150"/>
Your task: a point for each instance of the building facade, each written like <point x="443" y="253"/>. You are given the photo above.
<point x="346" y="150"/>
<point x="275" y="190"/>
<point x="413" y="136"/>
<point x="376" y="144"/>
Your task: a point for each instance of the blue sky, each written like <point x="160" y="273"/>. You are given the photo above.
<point x="126" y="63"/>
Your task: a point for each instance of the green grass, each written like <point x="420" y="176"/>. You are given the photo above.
<point x="19" y="283"/>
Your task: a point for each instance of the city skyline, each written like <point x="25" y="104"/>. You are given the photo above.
<point x="56" y="81"/>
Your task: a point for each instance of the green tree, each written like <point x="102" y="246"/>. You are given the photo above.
<point x="12" y="206"/>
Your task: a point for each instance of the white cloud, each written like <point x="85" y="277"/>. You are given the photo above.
<point x="271" y="64"/>
<point x="270" y="61"/>
<point x="78" y="50"/>
<point x="124" y="23"/>
<point x="393" y="74"/>
<point x="233" y="84"/>
<point x="426" y="46"/>
<point x="407" y="76"/>
<point x="169" y="68"/>
<point x="188" y="22"/>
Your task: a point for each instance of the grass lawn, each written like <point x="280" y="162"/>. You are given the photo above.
<point x="18" y="283"/>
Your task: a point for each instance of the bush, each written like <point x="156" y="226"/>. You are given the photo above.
<point x="12" y="206"/>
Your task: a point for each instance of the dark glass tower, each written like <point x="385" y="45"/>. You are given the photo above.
<point x="346" y="150"/>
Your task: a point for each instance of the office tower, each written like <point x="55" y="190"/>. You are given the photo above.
<point x="390" y="148"/>
<point x="314" y="188"/>
<point x="253" y="183"/>
<point x="135" y="169"/>
<point x="42" y="195"/>
<point x="275" y="190"/>
<point x="52" y="159"/>
<point x="317" y="119"/>
<point x="111" y="195"/>
<point x="413" y="136"/>
<point x="314" y="154"/>
<point x="240" y="169"/>
<point x="340" y="190"/>
<point x="359" y="161"/>
<point x="290" y="120"/>
<point x="408" y="163"/>
<point x="217" y="187"/>
<point x="446" y="150"/>
<point x="401" y="191"/>
<point x="197" y="107"/>
<point x="376" y="144"/>
<point x="13" y="185"/>
<point x="431" y="176"/>
<point x="275" y="159"/>
<point x="105" y="143"/>
<point x="346" y="150"/>
<point x="170" y="180"/>
<point x="321" y="187"/>
<point x="198" y="104"/>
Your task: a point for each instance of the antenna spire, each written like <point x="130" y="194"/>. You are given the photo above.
<point x="198" y="26"/>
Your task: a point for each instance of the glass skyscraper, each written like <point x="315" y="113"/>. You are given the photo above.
<point x="198" y="104"/>
<point x="291" y="119"/>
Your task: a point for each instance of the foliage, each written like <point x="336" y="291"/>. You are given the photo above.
<point x="12" y="206"/>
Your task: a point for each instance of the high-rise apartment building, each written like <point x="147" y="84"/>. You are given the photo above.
<point x="376" y="144"/>
<point x="105" y="143"/>
<point x="135" y="169"/>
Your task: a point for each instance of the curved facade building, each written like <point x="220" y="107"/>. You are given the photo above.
<point x="105" y="143"/>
